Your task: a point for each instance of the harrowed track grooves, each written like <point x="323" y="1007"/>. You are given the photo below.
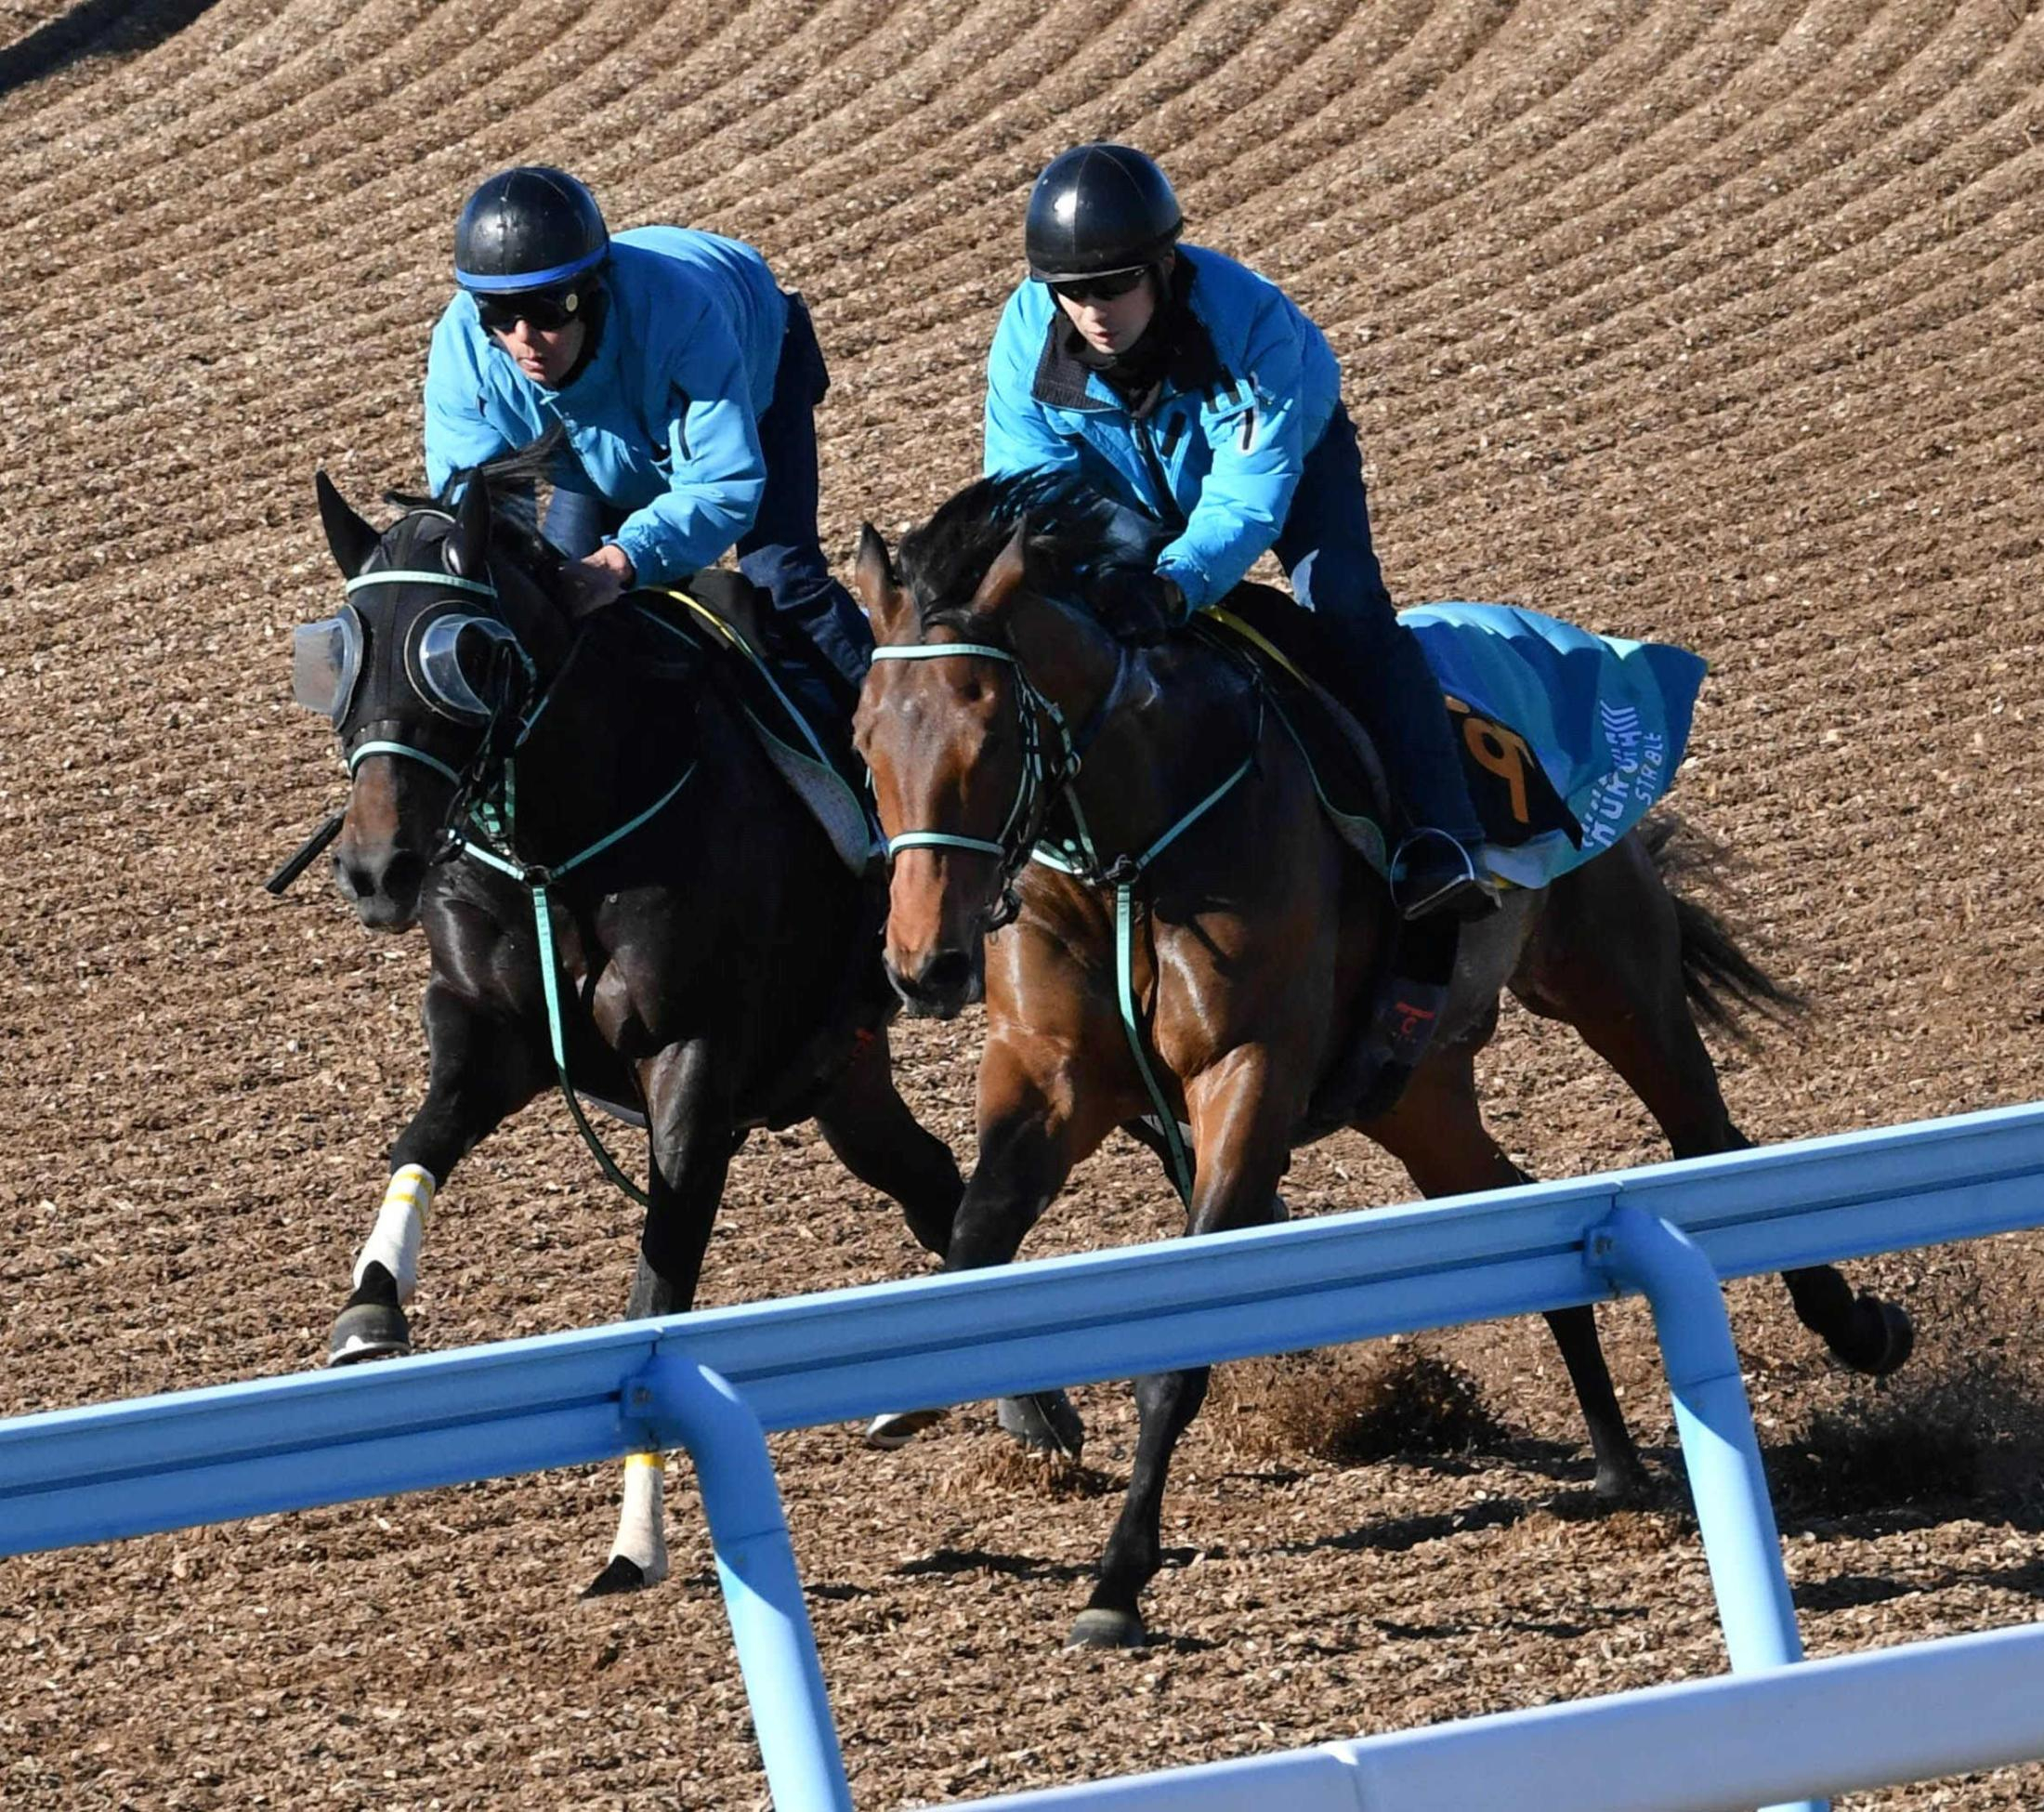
<point x="1722" y="324"/>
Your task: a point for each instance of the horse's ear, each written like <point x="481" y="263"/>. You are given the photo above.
<point x="466" y="550"/>
<point x="878" y="589"/>
<point x="351" y="539"/>
<point x="1004" y="577"/>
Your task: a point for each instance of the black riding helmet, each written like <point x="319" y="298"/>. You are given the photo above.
<point x="1098" y="209"/>
<point x="534" y="228"/>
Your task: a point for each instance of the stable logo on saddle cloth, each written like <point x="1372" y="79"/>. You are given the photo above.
<point x="1569" y="738"/>
<point x="790" y="742"/>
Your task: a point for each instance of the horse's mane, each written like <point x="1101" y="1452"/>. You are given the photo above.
<point x="1073" y="531"/>
<point x="508" y="478"/>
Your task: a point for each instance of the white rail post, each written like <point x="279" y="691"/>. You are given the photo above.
<point x="1728" y="1482"/>
<point x="683" y="1404"/>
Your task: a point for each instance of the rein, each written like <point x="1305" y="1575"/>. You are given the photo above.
<point x="1040" y="788"/>
<point x="538" y="879"/>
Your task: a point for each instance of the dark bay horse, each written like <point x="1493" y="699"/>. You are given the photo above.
<point x="613" y="825"/>
<point x="1167" y="809"/>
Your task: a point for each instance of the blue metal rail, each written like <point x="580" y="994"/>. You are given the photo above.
<point x="715" y="1381"/>
<point x="1915" y="1713"/>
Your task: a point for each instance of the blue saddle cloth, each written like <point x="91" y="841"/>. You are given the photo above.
<point x="1604" y="721"/>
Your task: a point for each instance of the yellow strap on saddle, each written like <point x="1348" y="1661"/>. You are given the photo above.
<point x="715" y="623"/>
<point x="1268" y="648"/>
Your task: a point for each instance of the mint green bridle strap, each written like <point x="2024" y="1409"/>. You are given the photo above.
<point x="538" y="883"/>
<point x="448" y="581"/>
<point x="356" y="756"/>
<point x="1125" y="880"/>
<point x="1033" y="767"/>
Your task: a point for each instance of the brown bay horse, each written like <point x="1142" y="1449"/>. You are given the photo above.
<point x="1000" y="721"/>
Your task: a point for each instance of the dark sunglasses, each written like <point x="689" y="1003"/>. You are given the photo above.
<point x="1099" y="289"/>
<point x="547" y="314"/>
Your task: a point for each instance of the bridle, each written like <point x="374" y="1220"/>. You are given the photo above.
<point x="509" y="687"/>
<point x="1049" y="769"/>
<point x="1046" y="785"/>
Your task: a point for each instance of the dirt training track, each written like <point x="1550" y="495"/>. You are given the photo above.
<point x="1720" y="324"/>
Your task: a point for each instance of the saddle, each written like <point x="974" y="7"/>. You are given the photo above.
<point x="718" y="612"/>
<point x="1289" y="650"/>
<point x="1261" y="627"/>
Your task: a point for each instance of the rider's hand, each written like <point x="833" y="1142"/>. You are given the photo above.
<point x="597" y="579"/>
<point x="1136" y="606"/>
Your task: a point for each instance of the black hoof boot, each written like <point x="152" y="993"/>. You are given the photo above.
<point x="620" y="1576"/>
<point x="371" y="1326"/>
<point x="1890" y="1336"/>
<point x="1097" y="1628"/>
<point x="1046" y="1422"/>
<point x="1620" y="1484"/>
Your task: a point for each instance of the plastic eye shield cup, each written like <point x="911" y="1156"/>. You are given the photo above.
<point x="451" y="654"/>
<point x="326" y="660"/>
<point x="543" y="312"/>
<point x="1099" y="289"/>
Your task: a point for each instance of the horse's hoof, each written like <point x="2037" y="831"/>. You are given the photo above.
<point x="1621" y="1485"/>
<point x="1879" y="1337"/>
<point x="1898" y="1336"/>
<point x="1097" y="1628"/>
<point x="898" y="1427"/>
<point x="621" y="1575"/>
<point x="1045" y="1421"/>
<point x="369" y="1330"/>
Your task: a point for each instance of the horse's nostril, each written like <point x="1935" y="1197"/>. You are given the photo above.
<point x="948" y="975"/>
<point x="354" y="881"/>
<point x="404" y="875"/>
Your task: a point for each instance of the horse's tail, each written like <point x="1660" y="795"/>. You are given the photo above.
<point x="1725" y="987"/>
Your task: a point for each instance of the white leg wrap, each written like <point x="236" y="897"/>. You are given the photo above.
<point x="394" y="1241"/>
<point x="642" y="1524"/>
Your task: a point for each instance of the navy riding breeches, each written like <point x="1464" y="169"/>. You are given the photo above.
<point x="1325" y="549"/>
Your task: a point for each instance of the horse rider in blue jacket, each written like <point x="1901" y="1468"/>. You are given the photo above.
<point x="686" y="381"/>
<point x="1182" y="383"/>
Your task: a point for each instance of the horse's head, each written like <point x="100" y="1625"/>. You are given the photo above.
<point x="966" y="722"/>
<point x="427" y="674"/>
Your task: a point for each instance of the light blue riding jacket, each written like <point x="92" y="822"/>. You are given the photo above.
<point x="664" y="418"/>
<point x="1217" y="457"/>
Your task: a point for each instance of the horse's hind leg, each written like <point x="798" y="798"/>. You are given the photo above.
<point x="1437" y="1132"/>
<point x="479" y="1076"/>
<point x="1607" y="956"/>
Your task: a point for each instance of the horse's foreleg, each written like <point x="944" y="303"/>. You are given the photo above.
<point x="477" y="1077"/>
<point x="1242" y="1119"/>
<point x="689" y="1116"/>
<point x="867" y="1125"/>
<point x="1035" y="1124"/>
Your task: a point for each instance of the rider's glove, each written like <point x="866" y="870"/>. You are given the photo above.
<point x="1135" y="605"/>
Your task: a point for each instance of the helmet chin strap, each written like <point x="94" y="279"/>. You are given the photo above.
<point x="589" y="316"/>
